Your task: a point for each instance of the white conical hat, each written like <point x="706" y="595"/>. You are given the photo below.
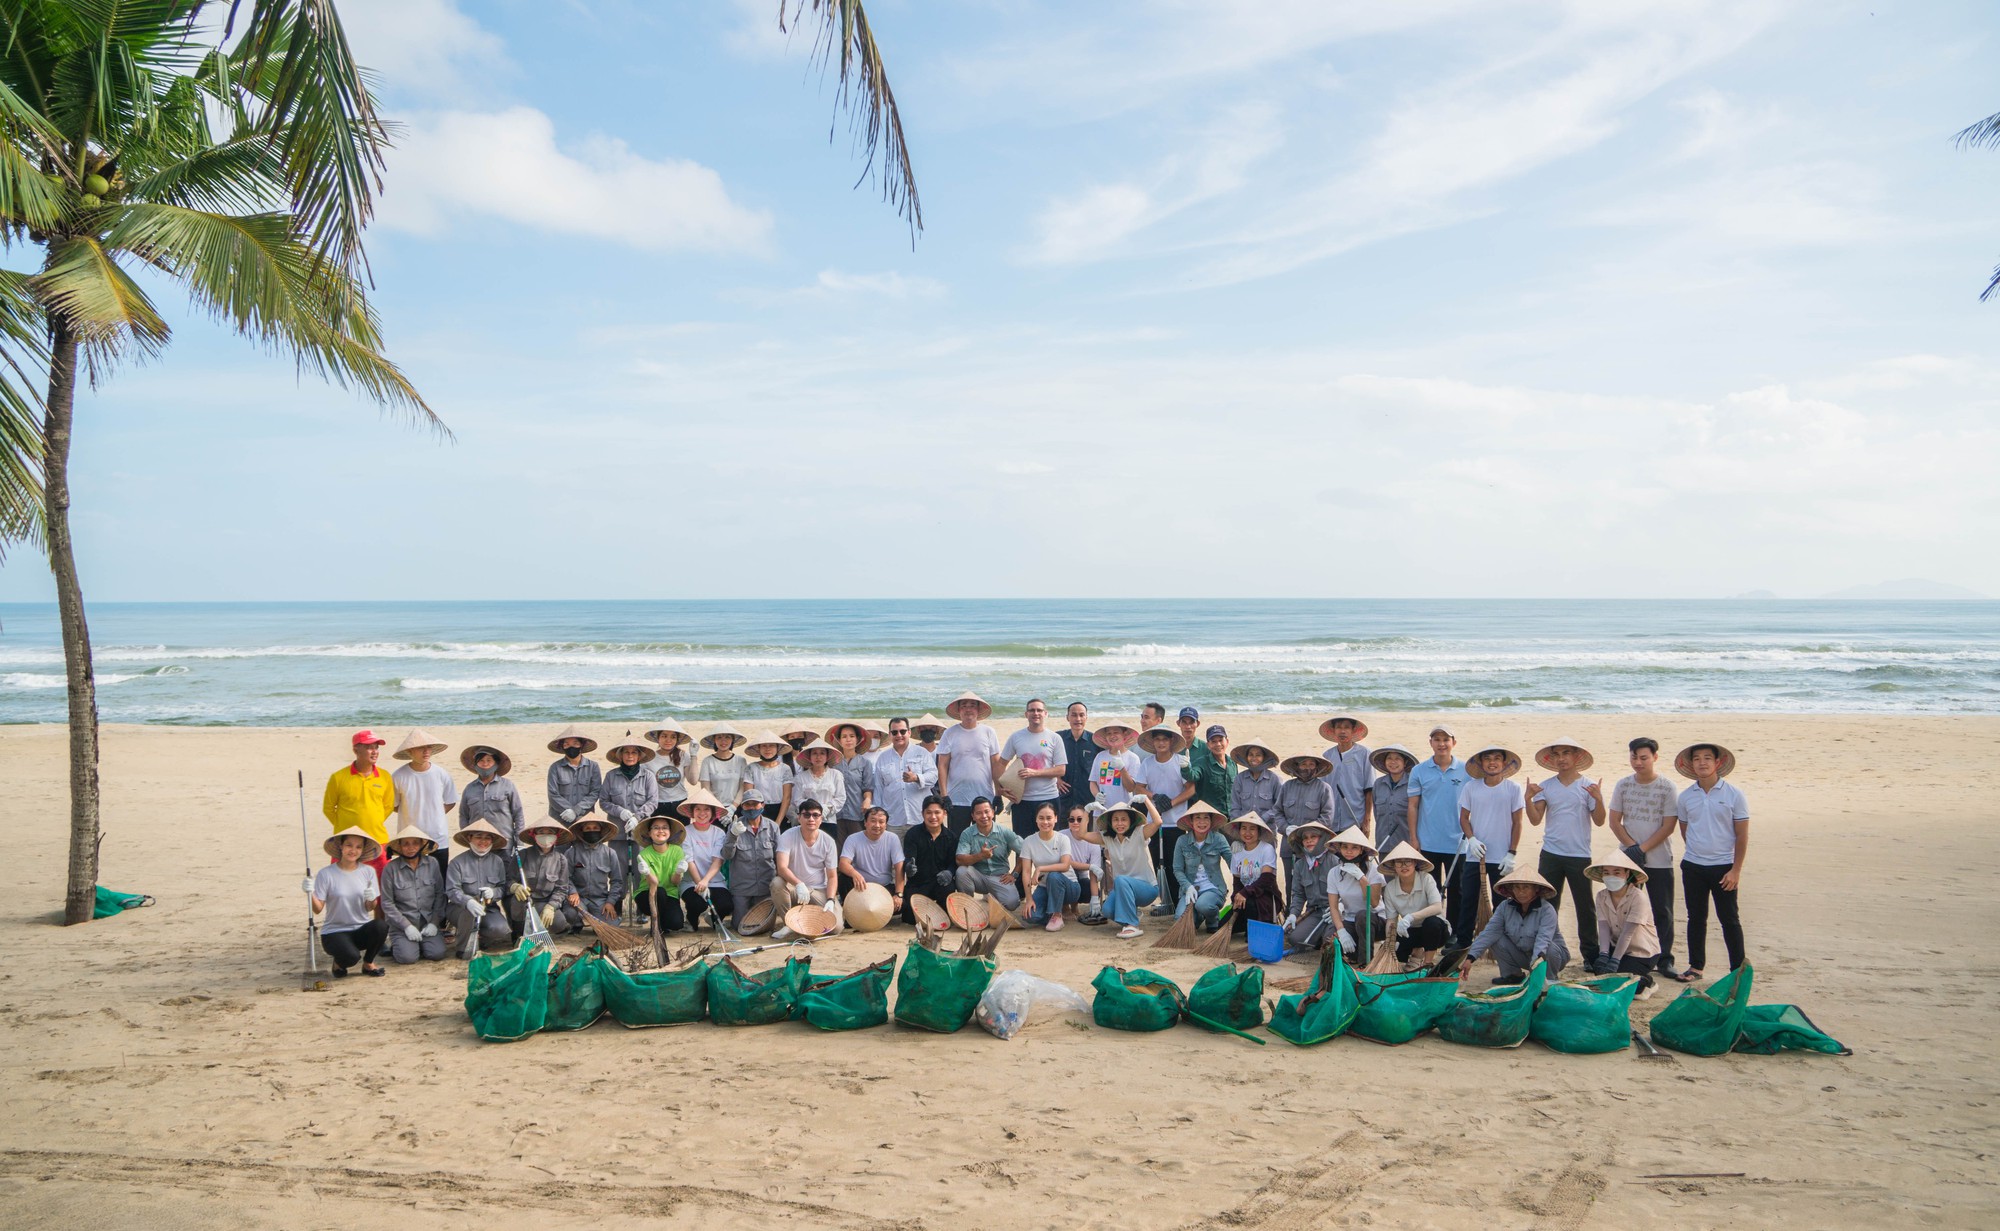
<point x="1352" y="836"/>
<point x="418" y="738"/>
<point x="1542" y="757"/>
<point x="1403" y="850"/>
<point x="572" y="731"/>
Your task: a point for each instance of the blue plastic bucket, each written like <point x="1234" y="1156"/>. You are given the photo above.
<point x="1267" y="941"/>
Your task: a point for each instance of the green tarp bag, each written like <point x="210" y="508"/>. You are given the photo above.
<point x="1323" y="1010"/>
<point x="936" y="991"/>
<point x="507" y="994"/>
<point x="110" y="902"/>
<point x="654" y="997"/>
<point x="1396" y="1008"/>
<point x="1228" y="995"/>
<point x="1496" y="1017"/>
<point x="576" y="999"/>
<point x="1135" y="1000"/>
<point x="849" y="1002"/>
<point x="1586" y="1018"/>
<point x="738" y="999"/>
<point x="1706" y="1023"/>
<point x="1771" y="1028"/>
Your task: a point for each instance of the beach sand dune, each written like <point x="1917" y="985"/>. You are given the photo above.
<point x="164" y="1069"/>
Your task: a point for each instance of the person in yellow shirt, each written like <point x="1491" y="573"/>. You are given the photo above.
<point x="360" y="795"/>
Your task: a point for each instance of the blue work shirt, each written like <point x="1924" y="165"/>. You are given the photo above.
<point x="1436" y="792"/>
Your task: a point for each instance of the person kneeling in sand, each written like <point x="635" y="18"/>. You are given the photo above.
<point x="808" y="866"/>
<point x="660" y="863"/>
<point x="546" y="885"/>
<point x="752" y="854"/>
<point x="476" y="885"/>
<point x="1411" y="893"/>
<point x="413" y="901"/>
<point x="982" y="856"/>
<point x="1523" y="929"/>
<point x="1625" y="931"/>
<point x="1198" y="860"/>
<point x="1253" y="865"/>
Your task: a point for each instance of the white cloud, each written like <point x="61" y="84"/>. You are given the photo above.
<point x="888" y="284"/>
<point x="422" y="48"/>
<point x="508" y="165"/>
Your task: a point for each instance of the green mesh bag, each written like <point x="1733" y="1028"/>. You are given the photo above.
<point x="1771" y="1028"/>
<point x="1587" y="1018"/>
<point x="1228" y="995"/>
<point x="1396" y="1008"/>
<point x="1706" y="1023"/>
<point x="655" y="997"/>
<point x="1322" y="1010"/>
<point x="739" y="999"/>
<point x="1496" y="1017"/>
<point x="936" y="991"/>
<point x="575" y="998"/>
<point x="849" y="1002"/>
<point x="507" y="994"/>
<point x="109" y="902"/>
<point x="1135" y="1000"/>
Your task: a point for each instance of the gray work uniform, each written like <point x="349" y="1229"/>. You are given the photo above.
<point x="1306" y="882"/>
<point x="752" y="857"/>
<point x="573" y="788"/>
<point x="1301" y="802"/>
<point x="413" y="897"/>
<point x="498" y="803"/>
<point x="1392" y="813"/>
<point x="599" y="871"/>
<point x="463" y="882"/>
<point x="626" y="798"/>
<point x="1257" y="793"/>
<point x="546" y="874"/>
<point x="1515" y="938"/>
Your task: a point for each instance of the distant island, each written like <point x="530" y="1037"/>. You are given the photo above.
<point x="1908" y="589"/>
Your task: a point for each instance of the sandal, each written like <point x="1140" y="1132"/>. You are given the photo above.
<point x="373" y="971"/>
<point x="1688" y="976"/>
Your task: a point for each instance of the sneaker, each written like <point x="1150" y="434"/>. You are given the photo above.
<point x="1161" y="911"/>
<point x="1055" y="923"/>
<point x="1129" y="933"/>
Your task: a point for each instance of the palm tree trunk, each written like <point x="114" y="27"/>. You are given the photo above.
<point x="79" y="903"/>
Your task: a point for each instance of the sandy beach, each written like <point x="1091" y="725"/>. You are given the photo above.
<point x="164" y="1068"/>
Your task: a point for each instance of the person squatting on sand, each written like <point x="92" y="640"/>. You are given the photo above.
<point x="546" y="887"/>
<point x="1354" y="894"/>
<point x="1411" y="895"/>
<point x="1309" y="924"/>
<point x="1128" y="860"/>
<point x="1524" y="929"/>
<point x="1253" y="872"/>
<point x="751" y="852"/>
<point x="982" y="856"/>
<point x="345" y="891"/>
<point x="486" y="914"/>
<point x="413" y="898"/>
<point x="1198" y="860"/>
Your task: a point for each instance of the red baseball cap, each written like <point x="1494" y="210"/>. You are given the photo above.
<point x="366" y="737"/>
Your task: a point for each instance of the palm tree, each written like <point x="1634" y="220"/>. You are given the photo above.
<point x="1985" y="133"/>
<point x="240" y="164"/>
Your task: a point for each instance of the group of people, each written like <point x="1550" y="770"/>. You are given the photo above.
<point x="1347" y="846"/>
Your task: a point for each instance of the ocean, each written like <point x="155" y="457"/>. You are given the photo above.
<point x="301" y="664"/>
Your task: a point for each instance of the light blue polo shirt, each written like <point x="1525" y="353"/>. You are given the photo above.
<point x="1436" y="792"/>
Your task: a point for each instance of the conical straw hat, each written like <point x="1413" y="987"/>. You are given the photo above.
<point x="1353" y="836"/>
<point x="1290" y="765"/>
<point x="928" y="722"/>
<point x="503" y="762"/>
<point x="799" y="737"/>
<point x="757" y="920"/>
<point x="642" y="830"/>
<point x="811" y="920"/>
<point x="418" y="738"/>
<point x="666" y="726"/>
<point x="929" y="912"/>
<point x="868" y="908"/>
<point x="1292" y="838"/>
<point x="646" y="752"/>
<point x="1513" y="761"/>
<point x="698" y="795"/>
<point x="1251" y="818"/>
<point x="1403" y="850"/>
<point x="563" y="835"/>
<point x="762" y="738"/>
<point x="968" y="911"/>
<point x="464" y="835"/>
<point x="370" y="848"/>
<point x="1616" y="859"/>
<point x="1114" y="724"/>
<point x="833" y="756"/>
<point x="968" y="698"/>
<point x="1270" y="757"/>
<point x="1526" y="876"/>
<point x="1203" y="808"/>
<point x="1410" y="759"/>
<point x="1360" y="727"/>
<point x="708" y="741"/>
<point x="1542" y="758"/>
<point x="411" y="831"/>
<point x="1100" y="820"/>
<point x="1145" y="739"/>
<point x="572" y="731"/>
<point x="1684" y="764"/>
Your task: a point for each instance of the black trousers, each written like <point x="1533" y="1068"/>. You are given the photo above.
<point x="958" y="819"/>
<point x="1163" y="842"/>
<point x="1465" y="897"/>
<point x="666" y="908"/>
<point x="1432" y="933"/>
<point x="1660" y="892"/>
<point x="1566" y="872"/>
<point x="443" y="858"/>
<point x="695" y="903"/>
<point x="1641" y="966"/>
<point x="1702" y="882"/>
<point x="359" y="945"/>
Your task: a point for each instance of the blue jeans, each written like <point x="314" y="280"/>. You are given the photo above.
<point x="1207" y="903"/>
<point x="1127" y="896"/>
<point x="1052" y="893"/>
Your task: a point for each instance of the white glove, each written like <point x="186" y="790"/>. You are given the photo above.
<point x="1351" y="870"/>
<point x="430" y="929"/>
<point x="737" y="829"/>
<point x="307" y="885"/>
<point x="486" y="893"/>
<point x="410" y="930"/>
<point x="1507" y="864"/>
<point x="1472" y="847"/>
<point x="568" y="816"/>
<point x="1403" y="926"/>
<point x="1347" y="944"/>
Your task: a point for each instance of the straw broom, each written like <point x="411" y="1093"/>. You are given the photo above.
<point x="1218" y="943"/>
<point x="1181" y="935"/>
<point x="1384" y="962"/>
<point x="1485" y="899"/>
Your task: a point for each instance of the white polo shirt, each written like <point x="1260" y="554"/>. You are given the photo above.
<point x="1710" y="817"/>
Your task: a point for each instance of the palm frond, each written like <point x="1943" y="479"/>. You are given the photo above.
<point x="23" y="369"/>
<point x="1986" y="132"/>
<point x="1992" y="288"/>
<point x="243" y="175"/>
<point x="257" y="274"/>
<point x="865" y="95"/>
<point x="83" y="284"/>
<point x="27" y="198"/>
<point x="294" y="58"/>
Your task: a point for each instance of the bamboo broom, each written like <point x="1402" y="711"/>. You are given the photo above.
<point x="1384" y="962"/>
<point x="1181" y="934"/>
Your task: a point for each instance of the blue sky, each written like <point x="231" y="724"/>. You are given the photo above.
<point x="1218" y="298"/>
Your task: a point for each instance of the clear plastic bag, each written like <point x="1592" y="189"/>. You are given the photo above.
<point x="1015" y="995"/>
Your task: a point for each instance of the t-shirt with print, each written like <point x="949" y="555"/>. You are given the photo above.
<point x="971" y="754"/>
<point x="1037" y="751"/>
<point x="1245" y="866"/>
<point x="1566" y="824"/>
<point x="1492" y="811"/>
<point x="1114" y="773"/>
<point x="1645" y="807"/>
<point x="1036" y="853"/>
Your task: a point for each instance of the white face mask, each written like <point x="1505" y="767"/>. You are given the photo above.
<point x="1613" y="881"/>
<point x="545" y="840"/>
